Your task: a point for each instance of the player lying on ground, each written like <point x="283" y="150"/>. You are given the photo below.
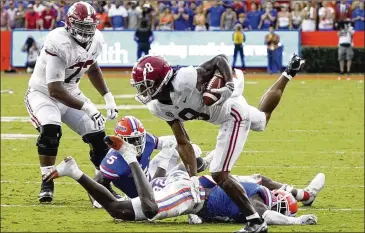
<point x="54" y="96"/>
<point x="178" y="195"/>
<point x="176" y="95"/>
<point x="114" y="168"/>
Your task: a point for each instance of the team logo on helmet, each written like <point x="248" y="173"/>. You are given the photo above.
<point x="169" y="114"/>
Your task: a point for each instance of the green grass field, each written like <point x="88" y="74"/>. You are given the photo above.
<point x="318" y="127"/>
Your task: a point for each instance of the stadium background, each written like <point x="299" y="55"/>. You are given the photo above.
<point x="318" y="127"/>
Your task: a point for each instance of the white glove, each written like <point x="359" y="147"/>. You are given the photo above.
<point x="94" y="114"/>
<point x="308" y="219"/>
<point x="195" y="189"/>
<point x="194" y="219"/>
<point x="110" y="106"/>
<point x="128" y="152"/>
<point x="225" y="93"/>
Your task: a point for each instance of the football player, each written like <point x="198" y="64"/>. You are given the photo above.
<point x="53" y="94"/>
<point x="176" y="195"/>
<point x="114" y="168"/>
<point x="175" y="95"/>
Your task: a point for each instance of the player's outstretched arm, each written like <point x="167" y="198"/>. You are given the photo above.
<point x="220" y="62"/>
<point x="96" y="78"/>
<point x="184" y="146"/>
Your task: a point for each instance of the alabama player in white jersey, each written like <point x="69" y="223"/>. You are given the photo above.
<point x="175" y="95"/>
<point x="53" y="95"/>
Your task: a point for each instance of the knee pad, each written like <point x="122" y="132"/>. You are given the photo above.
<point x="49" y="140"/>
<point x="98" y="148"/>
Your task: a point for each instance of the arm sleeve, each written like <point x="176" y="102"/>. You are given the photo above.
<point x="275" y="218"/>
<point x="55" y="69"/>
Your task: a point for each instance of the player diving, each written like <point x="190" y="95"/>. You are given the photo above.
<point x="177" y="195"/>
<point x="165" y="91"/>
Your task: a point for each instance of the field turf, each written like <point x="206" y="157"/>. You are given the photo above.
<point x="318" y="127"/>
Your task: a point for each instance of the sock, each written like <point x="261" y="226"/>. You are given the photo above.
<point x="254" y="218"/>
<point x="286" y="75"/>
<point x="302" y="195"/>
<point x="46" y="169"/>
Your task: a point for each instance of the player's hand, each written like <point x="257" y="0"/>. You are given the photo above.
<point x="110" y="106"/>
<point x="194" y="219"/>
<point x="128" y="151"/>
<point x="168" y="148"/>
<point x="308" y="219"/>
<point x="94" y="115"/>
<point x="195" y="189"/>
<point x="225" y="93"/>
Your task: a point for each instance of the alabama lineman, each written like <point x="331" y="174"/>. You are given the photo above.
<point x="53" y="95"/>
<point x="175" y="95"/>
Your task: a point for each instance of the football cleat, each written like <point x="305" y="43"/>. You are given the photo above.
<point x="65" y="168"/>
<point x="315" y="186"/>
<point x="294" y="65"/>
<point x="253" y="228"/>
<point x="46" y="193"/>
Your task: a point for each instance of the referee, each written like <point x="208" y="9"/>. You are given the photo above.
<point x="144" y="37"/>
<point x="238" y="39"/>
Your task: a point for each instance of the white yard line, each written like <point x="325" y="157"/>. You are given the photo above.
<point x="125" y="96"/>
<point x="18" y="136"/>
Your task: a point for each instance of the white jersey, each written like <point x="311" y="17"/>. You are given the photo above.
<point x="174" y="198"/>
<point x="76" y="60"/>
<point x="187" y="101"/>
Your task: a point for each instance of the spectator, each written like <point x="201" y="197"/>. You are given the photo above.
<point x="214" y="16"/>
<point x="60" y="12"/>
<point x="228" y="19"/>
<point x="343" y="11"/>
<point x="272" y="41"/>
<point x="296" y="16"/>
<point x="248" y="4"/>
<point x="20" y="16"/>
<point x="358" y="17"/>
<point x="284" y="18"/>
<point x="238" y="39"/>
<point x="148" y="14"/>
<point x="103" y="18"/>
<point x="244" y="22"/>
<point x="191" y="12"/>
<point x="118" y="15"/>
<point x="144" y="37"/>
<point x="181" y="19"/>
<point x="166" y="21"/>
<point x="238" y="7"/>
<point x="31" y="18"/>
<point x="134" y="15"/>
<point x="39" y="7"/>
<point x="11" y="13"/>
<point x="48" y="18"/>
<point x="268" y="17"/>
<point x="254" y="16"/>
<point x="199" y="19"/>
<point x="31" y="48"/>
<point x="174" y="7"/>
<point x="309" y="18"/>
<point x="108" y="5"/>
<point x="96" y="5"/>
<point x="5" y="22"/>
<point x="345" y="51"/>
<point x="326" y="17"/>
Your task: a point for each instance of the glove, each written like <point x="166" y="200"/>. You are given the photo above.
<point x="294" y="66"/>
<point x="308" y="219"/>
<point x="195" y="189"/>
<point x="127" y="151"/>
<point x="225" y="93"/>
<point x="111" y="107"/>
<point x="94" y="115"/>
<point x="194" y="219"/>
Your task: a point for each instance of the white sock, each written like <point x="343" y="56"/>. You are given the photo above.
<point x="255" y="215"/>
<point x="286" y="75"/>
<point x="46" y="169"/>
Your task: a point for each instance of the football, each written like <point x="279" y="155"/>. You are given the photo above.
<point x="209" y="97"/>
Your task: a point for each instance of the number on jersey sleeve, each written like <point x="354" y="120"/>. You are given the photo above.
<point x="79" y="67"/>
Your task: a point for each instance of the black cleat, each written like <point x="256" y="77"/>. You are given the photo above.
<point x="295" y="65"/>
<point x="46" y="193"/>
<point x="254" y="228"/>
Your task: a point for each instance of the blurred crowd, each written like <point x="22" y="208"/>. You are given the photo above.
<point x="191" y="15"/>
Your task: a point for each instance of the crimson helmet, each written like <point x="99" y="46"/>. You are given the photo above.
<point x="131" y="130"/>
<point x="81" y="21"/>
<point x="284" y="202"/>
<point x="149" y="75"/>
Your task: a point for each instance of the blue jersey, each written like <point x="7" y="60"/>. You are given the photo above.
<point x="220" y="207"/>
<point x="115" y="168"/>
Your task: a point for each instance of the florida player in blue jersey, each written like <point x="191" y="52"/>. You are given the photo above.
<point x="114" y="168"/>
<point x="178" y="196"/>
